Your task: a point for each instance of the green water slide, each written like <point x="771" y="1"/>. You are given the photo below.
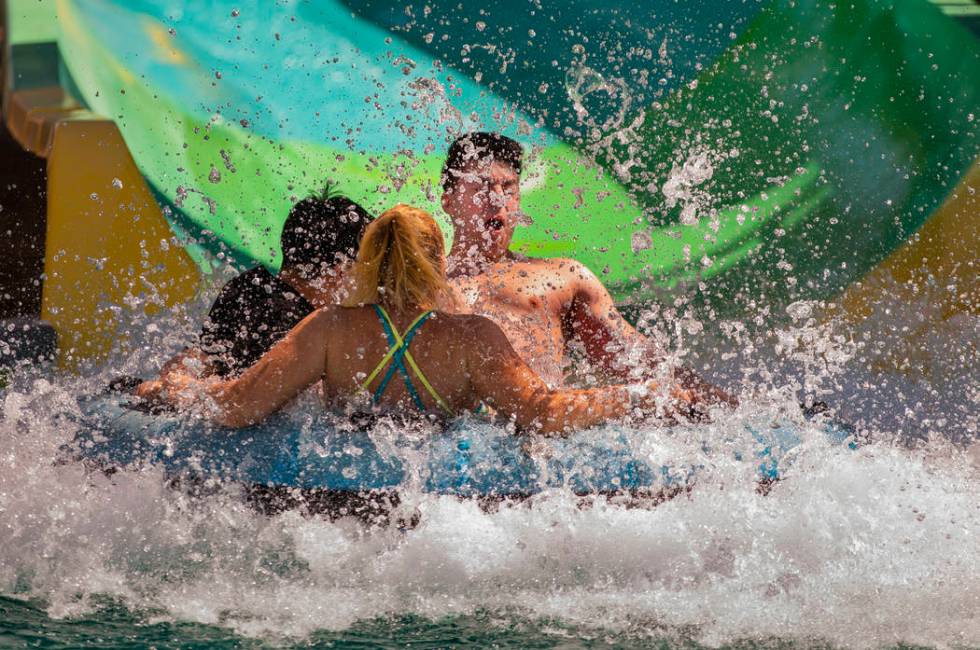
<point x="735" y="153"/>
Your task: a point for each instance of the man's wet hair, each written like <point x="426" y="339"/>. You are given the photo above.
<point x="477" y="147"/>
<point x="321" y="229"/>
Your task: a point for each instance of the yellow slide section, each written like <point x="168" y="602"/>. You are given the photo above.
<point x="109" y="251"/>
<point x="934" y="276"/>
<point x="109" y="248"/>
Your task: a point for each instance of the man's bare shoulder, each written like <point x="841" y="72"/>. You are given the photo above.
<point x="553" y="268"/>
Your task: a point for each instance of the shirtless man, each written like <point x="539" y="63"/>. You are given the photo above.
<point x="541" y="304"/>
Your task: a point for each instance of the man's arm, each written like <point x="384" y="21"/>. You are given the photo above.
<point x="590" y="316"/>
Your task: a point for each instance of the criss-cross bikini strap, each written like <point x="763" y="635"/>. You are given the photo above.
<point x="400" y="345"/>
<point x="392" y="343"/>
<point x="411" y="360"/>
<point x="398" y="350"/>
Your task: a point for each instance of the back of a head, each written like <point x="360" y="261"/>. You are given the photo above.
<point x="400" y="261"/>
<point x="322" y="230"/>
<point x="477" y="147"/>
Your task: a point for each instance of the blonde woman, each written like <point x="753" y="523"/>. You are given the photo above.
<point x="390" y="344"/>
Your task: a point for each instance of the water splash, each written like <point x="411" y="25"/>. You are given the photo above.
<point x="683" y="186"/>
<point x="860" y="548"/>
<point x="582" y="81"/>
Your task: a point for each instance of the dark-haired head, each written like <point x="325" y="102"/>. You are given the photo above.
<point x="482" y="193"/>
<point x="322" y="230"/>
<point x="479" y="149"/>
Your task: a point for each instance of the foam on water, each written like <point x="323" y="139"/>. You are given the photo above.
<point x="860" y="548"/>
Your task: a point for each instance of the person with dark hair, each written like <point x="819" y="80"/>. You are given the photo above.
<point x="541" y="304"/>
<point x="254" y="310"/>
<point x="476" y="146"/>
<point x="321" y="230"/>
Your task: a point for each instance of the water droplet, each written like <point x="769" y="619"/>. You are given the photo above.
<point x="640" y="241"/>
<point x="227" y="160"/>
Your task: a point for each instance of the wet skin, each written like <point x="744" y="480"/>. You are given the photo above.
<point x="541" y="304"/>
<point x="329" y="286"/>
<point x="467" y="359"/>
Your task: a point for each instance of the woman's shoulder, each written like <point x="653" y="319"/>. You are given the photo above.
<point x="458" y="319"/>
<point x="468" y="327"/>
<point x="340" y="313"/>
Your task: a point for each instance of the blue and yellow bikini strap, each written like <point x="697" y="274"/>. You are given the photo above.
<point x="400" y="345"/>
<point x="398" y="349"/>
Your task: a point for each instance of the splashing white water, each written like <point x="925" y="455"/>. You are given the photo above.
<point x="682" y="184"/>
<point x="861" y="548"/>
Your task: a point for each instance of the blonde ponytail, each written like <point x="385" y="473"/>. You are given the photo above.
<point x="400" y="261"/>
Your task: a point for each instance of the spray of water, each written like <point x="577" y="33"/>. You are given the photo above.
<point x="858" y="547"/>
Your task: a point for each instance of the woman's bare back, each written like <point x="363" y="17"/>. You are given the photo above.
<point x="440" y="347"/>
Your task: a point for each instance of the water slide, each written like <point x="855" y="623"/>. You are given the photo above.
<point x="737" y="157"/>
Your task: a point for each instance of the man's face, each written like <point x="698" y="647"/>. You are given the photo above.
<point x="485" y="205"/>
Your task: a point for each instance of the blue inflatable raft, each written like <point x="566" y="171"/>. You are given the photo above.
<point x="471" y="459"/>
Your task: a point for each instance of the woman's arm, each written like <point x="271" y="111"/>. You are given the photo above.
<point x="501" y="378"/>
<point x="288" y="368"/>
<point x="188" y="365"/>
